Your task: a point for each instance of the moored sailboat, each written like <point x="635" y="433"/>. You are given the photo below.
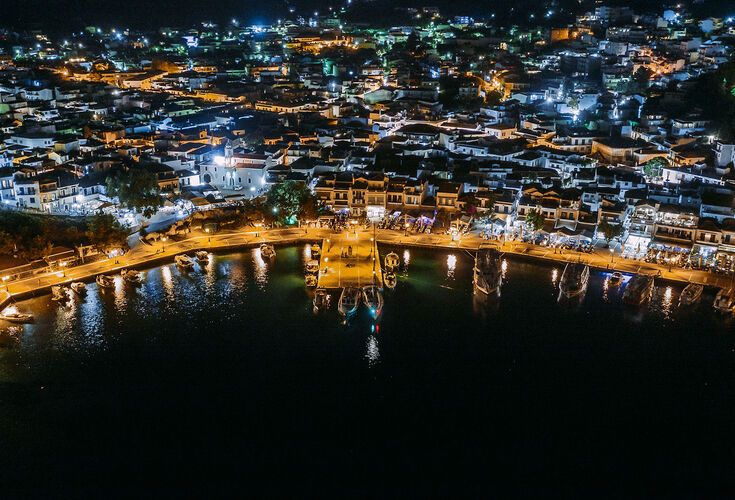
<point x="639" y="289"/>
<point x="267" y="251"/>
<point x="391" y="262"/>
<point x="184" y="261"/>
<point x="322" y="300"/>
<point x="390" y="280"/>
<point x="691" y="294"/>
<point x="12" y="315"/>
<point x="131" y="277"/>
<point x="312" y="267"/>
<point x="105" y="282"/>
<point x="487" y="274"/>
<point x="349" y="301"/>
<point x="574" y="279"/>
<point x="59" y="293"/>
<point x="725" y="300"/>
<point x="373" y="298"/>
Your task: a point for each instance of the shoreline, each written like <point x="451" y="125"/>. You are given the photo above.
<point x="138" y="257"/>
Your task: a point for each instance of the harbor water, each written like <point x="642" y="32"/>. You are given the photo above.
<point x="225" y="372"/>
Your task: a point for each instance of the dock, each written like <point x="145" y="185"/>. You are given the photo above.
<point x="350" y="259"/>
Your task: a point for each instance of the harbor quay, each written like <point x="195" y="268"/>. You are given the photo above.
<point x="350" y="259"/>
<point x="337" y="267"/>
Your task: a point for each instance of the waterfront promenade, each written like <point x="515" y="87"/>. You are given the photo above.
<point x="144" y="255"/>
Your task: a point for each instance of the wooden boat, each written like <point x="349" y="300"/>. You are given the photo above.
<point x="315" y="250"/>
<point x="312" y="267"/>
<point x="725" y="300"/>
<point x="322" y="300"/>
<point x="105" y="282"/>
<point x="131" y="277"/>
<point x="691" y="294"/>
<point x="349" y="301"/>
<point x="202" y="255"/>
<point x="184" y="261"/>
<point x="59" y="293"/>
<point x="390" y="280"/>
<point x="487" y="275"/>
<point x="79" y="288"/>
<point x="615" y="278"/>
<point x="267" y="251"/>
<point x="14" y="316"/>
<point x="639" y="290"/>
<point x="373" y="298"/>
<point x="574" y="279"/>
<point x="311" y="280"/>
<point x="392" y="261"/>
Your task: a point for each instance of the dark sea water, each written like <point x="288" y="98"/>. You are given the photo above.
<point x="223" y="379"/>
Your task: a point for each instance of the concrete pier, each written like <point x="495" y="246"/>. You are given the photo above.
<point x="350" y="259"/>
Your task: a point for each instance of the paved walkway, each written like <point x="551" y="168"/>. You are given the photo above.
<point x="348" y="259"/>
<point x="146" y="255"/>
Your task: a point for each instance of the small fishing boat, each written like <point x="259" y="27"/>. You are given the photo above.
<point x="105" y="282"/>
<point x="184" y="261"/>
<point x="322" y="300"/>
<point x="373" y="298"/>
<point x="315" y="250"/>
<point x="312" y="267"/>
<point x="349" y="301"/>
<point x="487" y="274"/>
<point x="390" y="280"/>
<point x="59" y="293"/>
<point x="79" y="288"/>
<point x="131" y="277"/>
<point x="725" y="300"/>
<point x="691" y="294"/>
<point x="311" y="280"/>
<point x="615" y="278"/>
<point x="574" y="279"/>
<point x="639" y="290"/>
<point x="391" y="261"/>
<point x="202" y="255"/>
<point x="267" y="251"/>
<point x="12" y="315"/>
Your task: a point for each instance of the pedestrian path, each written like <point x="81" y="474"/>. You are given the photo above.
<point x="341" y="269"/>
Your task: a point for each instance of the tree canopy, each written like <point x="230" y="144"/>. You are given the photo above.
<point x="136" y="189"/>
<point x="32" y="236"/>
<point x="535" y="219"/>
<point x="610" y="231"/>
<point x="654" y="167"/>
<point x="290" y="200"/>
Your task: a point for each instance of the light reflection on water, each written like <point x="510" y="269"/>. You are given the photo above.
<point x="372" y="351"/>
<point x="554" y="276"/>
<point x="244" y="295"/>
<point x="451" y="265"/>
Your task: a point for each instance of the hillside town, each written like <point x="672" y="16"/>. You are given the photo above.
<point x="616" y="130"/>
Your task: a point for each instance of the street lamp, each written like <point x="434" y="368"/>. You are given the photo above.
<point x="612" y="255"/>
<point x="163" y="243"/>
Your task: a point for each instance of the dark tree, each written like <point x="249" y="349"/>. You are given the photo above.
<point x="137" y="190"/>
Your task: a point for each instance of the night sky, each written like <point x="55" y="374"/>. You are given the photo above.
<point x="63" y="15"/>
